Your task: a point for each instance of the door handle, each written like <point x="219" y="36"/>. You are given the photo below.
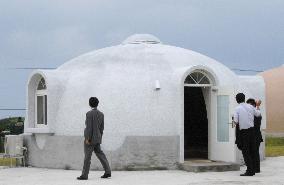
<point x="233" y="124"/>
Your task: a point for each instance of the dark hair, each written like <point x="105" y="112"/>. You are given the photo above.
<point x="93" y="102"/>
<point x="251" y="101"/>
<point x="240" y="97"/>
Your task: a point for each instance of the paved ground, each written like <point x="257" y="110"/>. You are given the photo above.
<point x="272" y="174"/>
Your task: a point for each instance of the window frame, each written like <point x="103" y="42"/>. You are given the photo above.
<point x="204" y="75"/>
<point x="41" y="93"/>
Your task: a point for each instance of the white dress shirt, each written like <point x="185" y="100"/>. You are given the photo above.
<point x="244" y="115"/>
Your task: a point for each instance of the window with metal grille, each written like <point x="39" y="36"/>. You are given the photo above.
<point x="197" y="77"/>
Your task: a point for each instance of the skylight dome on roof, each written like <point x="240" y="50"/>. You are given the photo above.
<point x="142" y="39"/>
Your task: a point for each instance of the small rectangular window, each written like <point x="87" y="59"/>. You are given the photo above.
<point x="42" y="110"/>
<point x="45" y="109"/>
<point x="223" y="118"/>
<point x="40" y="115"/>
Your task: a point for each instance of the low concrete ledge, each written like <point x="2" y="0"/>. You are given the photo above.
<point x="39" y="131"/>
<point x="208" y="166"/>
<point x="274" y="134"/>
<point x="135" y="167"/>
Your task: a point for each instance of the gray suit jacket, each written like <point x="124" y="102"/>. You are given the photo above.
<point x="94" y="126"/>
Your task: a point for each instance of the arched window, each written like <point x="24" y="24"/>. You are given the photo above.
<point x="41" y="85"/>
<point x="197" y="78"/>
<point x="41" y="104"/>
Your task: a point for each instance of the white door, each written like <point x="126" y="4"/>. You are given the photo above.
<point x="221" y="134"/>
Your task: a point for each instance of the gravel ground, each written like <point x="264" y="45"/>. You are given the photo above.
<point x="272" y="173"/>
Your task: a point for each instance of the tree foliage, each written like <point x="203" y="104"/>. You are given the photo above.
<point x="14" y="125"/>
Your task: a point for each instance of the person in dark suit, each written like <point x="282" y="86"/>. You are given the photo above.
<point x="258" y="136"/>
<point x="93" y="138"/>
<point x="244" y="117"/>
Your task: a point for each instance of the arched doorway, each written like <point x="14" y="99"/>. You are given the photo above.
<point x="197" y="88"/>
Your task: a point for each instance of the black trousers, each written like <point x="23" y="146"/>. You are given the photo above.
<point x="249" y="149"/>
<point x="257" y="160"/>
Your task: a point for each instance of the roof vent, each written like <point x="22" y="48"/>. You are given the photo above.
<point x="141" y="39"/>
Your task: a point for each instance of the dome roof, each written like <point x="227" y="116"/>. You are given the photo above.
<point x="141" y="39"/>
<point x="126" y="75"/>
<point x="145" y="51"/>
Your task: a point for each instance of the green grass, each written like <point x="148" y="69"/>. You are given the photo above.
<point x="274" y="146"/>
<point x="6" y="162"/>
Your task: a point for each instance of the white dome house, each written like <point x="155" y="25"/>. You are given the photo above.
<point x="162" y="105"/>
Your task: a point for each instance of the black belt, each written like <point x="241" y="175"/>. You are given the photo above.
<point x="250" y="128"/>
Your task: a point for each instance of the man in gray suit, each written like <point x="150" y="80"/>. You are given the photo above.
<point x="93" y="138"/>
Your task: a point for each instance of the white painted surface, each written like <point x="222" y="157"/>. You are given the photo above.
<point x="222" y="151"/>
<point x="271" y="174"/>
<point x="123" y="79"/>
<point x="13" y="145"/>
<point x="45" y="130"/>
<point x="40" y="140"/>
<point x="141" y="38"/>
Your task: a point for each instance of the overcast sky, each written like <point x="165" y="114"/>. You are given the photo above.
<point x="246" y="34"/>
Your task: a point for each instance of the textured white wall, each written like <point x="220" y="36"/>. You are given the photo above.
<point x="123" y="78"/>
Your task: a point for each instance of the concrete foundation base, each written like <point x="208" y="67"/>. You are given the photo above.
<point x="137" y="152"/>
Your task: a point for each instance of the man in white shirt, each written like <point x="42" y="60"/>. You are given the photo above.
<point x="244" y="116"/>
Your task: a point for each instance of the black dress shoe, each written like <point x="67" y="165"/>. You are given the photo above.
<point x="106" y="176"/>
<point x="82" y="178"/>
<point x="247" y="174"/>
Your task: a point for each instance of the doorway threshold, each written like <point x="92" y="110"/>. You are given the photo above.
<point x="206" y="165"/>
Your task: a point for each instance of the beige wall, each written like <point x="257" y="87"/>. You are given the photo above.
<point x="274" y="82"/>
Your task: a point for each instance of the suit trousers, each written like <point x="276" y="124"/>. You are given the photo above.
<point x="88" y="150"/>
<point x="257" y="165"/>
<point x="249" y="149"/>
